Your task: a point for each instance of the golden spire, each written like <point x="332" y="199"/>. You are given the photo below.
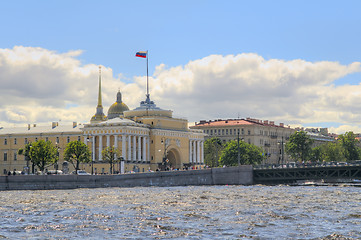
<point x="99" y="115"/>
<point x="100" y="88"/>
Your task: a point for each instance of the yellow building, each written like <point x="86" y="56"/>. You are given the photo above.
<point x="265" y="134"/>
<point x="148" y="138"/>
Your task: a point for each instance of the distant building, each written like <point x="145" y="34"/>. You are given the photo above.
<point x="265" y="134"/>
<point x="318" y="135"/>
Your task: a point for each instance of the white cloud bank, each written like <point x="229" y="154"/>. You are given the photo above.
<point x="38" y="85"/>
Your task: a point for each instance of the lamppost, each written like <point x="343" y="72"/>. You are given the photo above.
<point x="56" y="163"/>
<point x="239" y="154"/>
<point x="92" y="162"/>
<point x="282" y="150"/>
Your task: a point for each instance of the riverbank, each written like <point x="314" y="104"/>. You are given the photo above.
<point x="242" y="175"/>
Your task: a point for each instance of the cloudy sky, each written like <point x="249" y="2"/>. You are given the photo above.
<point x="296" y="62"/>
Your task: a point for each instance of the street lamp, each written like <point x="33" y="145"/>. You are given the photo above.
<point x="92" y="163"/>
<point x="239" y="154"/>
<point x="282" y="150"/>
<point x="57" y="153"/>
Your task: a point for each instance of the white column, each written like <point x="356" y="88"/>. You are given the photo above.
<point x="190" y="151"/>
<point x="124" y="150"/>
<point x="134" y="157"/>
<point x="198" y="152"/>
<point x="148" y="141"/>
<point x="139" y="148"/>
<point x="202" y="152"/>
<point x="144" y="149"/>
<point x="100" y="147"/>
<point x="194" y="152"/>
<point x="122" y="167"/>
<point x="115" y="145"/>
<point x="129" y="148"/>
<point x="108" y="140"/>
<point x="93" y="147"/>
<point x="115" y="141"/>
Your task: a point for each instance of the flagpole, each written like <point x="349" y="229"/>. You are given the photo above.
<point x="147" y="77"/>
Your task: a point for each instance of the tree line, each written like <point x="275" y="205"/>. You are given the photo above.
<point x="43" y="154"/>
<point x="298" y="147"/>
<point x="345" y="148"/>
<point x="218" y="154"/>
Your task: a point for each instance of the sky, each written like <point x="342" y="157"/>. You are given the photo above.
<point x="292" y="62"/>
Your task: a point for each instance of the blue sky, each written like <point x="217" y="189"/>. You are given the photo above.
<point x="179" y="32"/>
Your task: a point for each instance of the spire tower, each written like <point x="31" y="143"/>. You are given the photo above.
<point x="99" y="115"/>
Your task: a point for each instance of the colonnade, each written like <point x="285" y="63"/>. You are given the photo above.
<point x="134" y="148"/>
<point x="196" y="151"/>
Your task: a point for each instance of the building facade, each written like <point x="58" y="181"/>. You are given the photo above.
<point x="265" y="134"/>
<point x="148" y="138"/>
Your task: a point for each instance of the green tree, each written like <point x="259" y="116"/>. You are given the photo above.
<point x="77" y="152"/>
<point x="112" y="156"/>
<point x="43" y="154"/>
<point x="333" y="152"/>
<point x="299" y="146"/>
<point x="249" y="154"/>
<point x="212" y="150"/>
<point x="317" y="154"/>
<point x="26" y="152"/>
<point x="350" y="145"/>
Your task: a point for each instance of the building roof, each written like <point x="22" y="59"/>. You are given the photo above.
<point x="230" y="122"/>
<point x="237" y="122"/>
<point x="115" y="122"/>
<point x="117" y="108"/>
<point x="48" y="129"/>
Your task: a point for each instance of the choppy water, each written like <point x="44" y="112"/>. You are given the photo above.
<point x="210" y="212"/>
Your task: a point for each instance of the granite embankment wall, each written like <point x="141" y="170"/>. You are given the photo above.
<point x="242" y="175"/>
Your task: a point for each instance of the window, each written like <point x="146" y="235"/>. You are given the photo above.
<point x="26" y="141"/>
<point x="15" y="141"/>
<point x="15" y="156"/>
<point x="226" y="131"/>
<point x="5" y="157"/>
<point x="57" y="139"/>
<point x="5" y="141"/>
<point x="242" y="131"/>
<point x="249" y="132"/>
<point x="46" y="139"/>
<point x="78" y="138"/>
<point x="68" y="139"/>
<point x="219" y="131"/>
<point x="222" y="131"/>
<point x="211" y="131"/>
<point x="230" y="131"/>
<point x="36" y="139"/>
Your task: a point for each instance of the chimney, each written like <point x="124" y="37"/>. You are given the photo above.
<point x="282" y="124"/>
<point x="272" y="122"/>
<point x="34" y="125"/>
<point x="265" y="121"/>
<point x="74" y="124"/>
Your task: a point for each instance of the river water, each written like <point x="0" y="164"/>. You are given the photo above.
<point x="201" y="212"/>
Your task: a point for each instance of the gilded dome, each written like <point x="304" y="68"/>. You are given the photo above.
<point x="117" y="108"/>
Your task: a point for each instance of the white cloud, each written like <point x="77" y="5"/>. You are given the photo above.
<point x="294" y="91"/>
<point x="38" y="85"/>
